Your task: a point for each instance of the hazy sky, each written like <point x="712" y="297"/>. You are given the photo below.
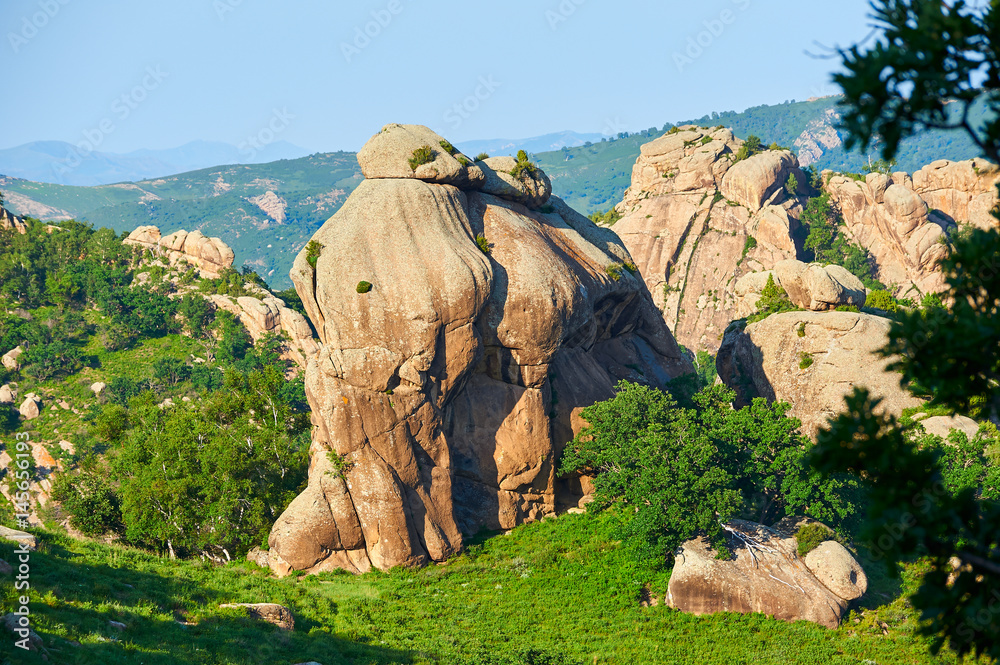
<point x="157" y="74"/>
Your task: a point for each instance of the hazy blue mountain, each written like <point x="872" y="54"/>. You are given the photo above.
<point x="544" y="143"/>
<point x="63" y="163"/>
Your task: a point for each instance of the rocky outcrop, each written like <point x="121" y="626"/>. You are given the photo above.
<point x="766" y="575"/>
<point x="10" y="359"/>
<point x="209" y="255"/>
<point x="890" y="220"/>
<point x="449" y="378"/>
<point x="9" y="220"/>
<point x="961" y="191"/>
<point x="812" y="371"/>
<point x="817" y="287"/>
<point x="7" y="394"/>
<point x="268" y="314"/>
<point x="533" y="188"/>
<point x="695" y="222"/>
<point x="388" y="154"/>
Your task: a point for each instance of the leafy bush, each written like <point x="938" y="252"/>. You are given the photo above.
<point x="313" y="250"/>
<point x="750" y="243"/>
<point x="93" y="505"/>
<point x="363" y="287"/>
<point x="482" y="244"/>
<point x="773" y="300"/>
<point x="607" y="218"/>
<point x="805" y="361"/>
<point x="883" y="300"/>
<point x="809" y="536"/>
<point x="751" y="146"/>
<point x="791" y="185"/>
<point x="481" y="156"/>
<point x="675" y="471"/>
<point x="614" y="271"/>
<point x="463" y="160"/>
<point x="801" y="331"/>
<point x="524" y="168"/>
<point x="448" y="147"/>
<point x="422" y="155"/>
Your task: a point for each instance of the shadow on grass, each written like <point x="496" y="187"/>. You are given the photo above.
<point x="170" y="610"/>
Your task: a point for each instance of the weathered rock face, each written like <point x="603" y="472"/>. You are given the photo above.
<point x="890" y="220"/>
<point x="766" y="359"/>
<point x="209" y="255"/>
<point x="31" y="407"/>
<point x="963" y="191"/>
<point x="943" y="425"/>
<point x="816" y="287"/>
<point x="9" y="220"/>
<point x="442" y="395"/>
<point x="268" y="314"/>
<point x="769" y="578"/>
<point x="689" y="216"/>
<point x="7" y="394"/>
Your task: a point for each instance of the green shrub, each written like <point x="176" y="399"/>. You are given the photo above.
<point x="481" y="156"/>
<point x="422" y="155"/>
<point x="363" y="287"/>
<point x="705" y="140"/>
<point x="846" y="308"/>
<point x="614" y="271"/>
<point x="773" y="300"/>
<point x="673" y="130"/>
<point x="805" y="360"/>
<point x="801" y="332"/>
<point x="791" y="185"/>
<point x="676" y="471"/>
<point x="463" y="160"/>
<point x="630" y="266"/>
<point x="313" y="250"/>
<point x="750" y="147"/>
<point x="607" y="218"/>
<point x="523" y="168"/>
<point x="809" y="536"/>
<point x="882" y="300"/>
<point x="448" y="147"/>
<point x="482" y="243"/>
<point x="750" y="243"/>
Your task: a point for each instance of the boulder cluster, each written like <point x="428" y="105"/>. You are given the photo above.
<point x="466" y="317"/>
<point x="209" y="255"/>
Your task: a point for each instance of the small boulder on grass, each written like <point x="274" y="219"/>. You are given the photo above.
<point x="272" y="613"/>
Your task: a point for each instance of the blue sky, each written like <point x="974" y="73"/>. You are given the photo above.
<point x="157" y="74"/>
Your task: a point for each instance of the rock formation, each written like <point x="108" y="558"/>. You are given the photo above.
<point x="767" y="575"/>
<point x="886" y="217"/>
<point x="690" y="214"/>
<point x="209" y="255"/>
<point x="811" y="360"/>
<point x="462" y="333"/>
<point x="962" y="191"/>
<point x="9" y="220"/>
<point x="268" y="314"/>
<point x="811" y="286"/>
<point x="10" y="359"/>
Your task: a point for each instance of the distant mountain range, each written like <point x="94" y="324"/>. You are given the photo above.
<point x="544" y="143"/>
<point x="63" y="163"/>
<point x="268" y="211"/>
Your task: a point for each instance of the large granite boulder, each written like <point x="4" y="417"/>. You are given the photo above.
<point x="11" y="360"/>
<point x="532" y="187"/>
<point x="450" y="377"/>
<point x="752" y="181"/>
<point x="388" y="155"/>
<point x="817" y="287"/>
<point x="765" y="574"/>
<point x="811" y="360"/>
<point x="963" y="191"/>
<point x="268" y="314"/>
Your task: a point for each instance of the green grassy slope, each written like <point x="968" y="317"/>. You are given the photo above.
<point x="564" y="589"/>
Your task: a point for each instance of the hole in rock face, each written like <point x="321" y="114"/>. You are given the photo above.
<point x="854" y="577"/>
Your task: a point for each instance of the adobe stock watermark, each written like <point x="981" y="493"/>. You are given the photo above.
<point x="121" y="108"/>
<point x="223" y="7"/>
<point x="463" y="110"/>
<point x="30" y="25"/>
<point x="561" y="13"/>
<point x="363" y="35"/>
<point x="22" y="566"/>
<point x="714" y="28"/>
<point x="279" y="122"/>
